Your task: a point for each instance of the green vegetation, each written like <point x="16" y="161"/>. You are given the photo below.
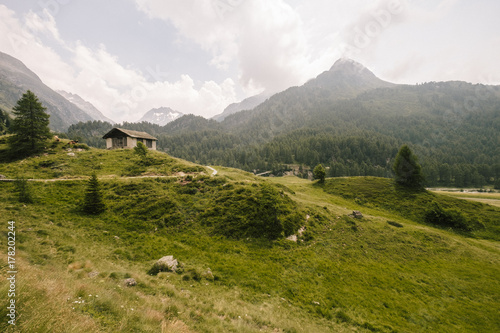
<point x="24" y="191"/>
<point x="5" y="122"/>
<point x="252" y="211"/>
<point x="30" y="126"/>
<point x="93" y="203"/>
<point x="319" y="173"/>
<point x="407" y="170"/>
<point x="480" y="220"/>
<point x="388" y="272"/>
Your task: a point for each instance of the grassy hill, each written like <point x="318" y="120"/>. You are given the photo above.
<point x="388" y="272"/>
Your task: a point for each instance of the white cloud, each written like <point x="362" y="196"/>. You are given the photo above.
<point x="120" y="92"/>
<point x="265" y="38"/>
<point x="46" y="24"/>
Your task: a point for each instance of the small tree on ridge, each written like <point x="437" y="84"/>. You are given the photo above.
<point x="407" y="170"/>
<point x="93" y="203"/>
<point x="319" y="173"/>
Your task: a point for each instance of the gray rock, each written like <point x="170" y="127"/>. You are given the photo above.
<point x="166" y="264"/>
<point x="357" y="214"/>
<point x="209" y="275"/>
<point x="130" y="282"/>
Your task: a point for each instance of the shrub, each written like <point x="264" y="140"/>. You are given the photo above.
<point x="258" y="212"/>
<point x="319" y="173"/>
<point x="446" y="218"/>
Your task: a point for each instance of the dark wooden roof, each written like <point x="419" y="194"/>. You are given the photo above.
<point x="116" y="132"/>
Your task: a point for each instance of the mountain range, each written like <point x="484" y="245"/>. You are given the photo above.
<point x="353" y="123"/>
<point x="161" y="116"/>
<point x="85" y="106"/>
<point x="346" y="118"/>
<point x="16" y="79"/>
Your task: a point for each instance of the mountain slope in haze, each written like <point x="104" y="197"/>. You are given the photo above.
<point x="87" y="107"/>
<point x="346" y="79"/>
<point x="246" y="104"/>
<point x="16" y="79"/>
<point x="161" y="116"/>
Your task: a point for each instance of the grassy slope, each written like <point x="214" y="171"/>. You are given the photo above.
<point x="343" y="275"/>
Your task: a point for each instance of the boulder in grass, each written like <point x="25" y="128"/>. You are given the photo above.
<point x="357" y="214"/>
<point x="165" y="264"/>
<point x="130" y="282"/>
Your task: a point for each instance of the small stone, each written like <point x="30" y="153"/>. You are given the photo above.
<point x="130" y="282"/>
<point x="357" y="214"/>
<point x="93" y="274"/>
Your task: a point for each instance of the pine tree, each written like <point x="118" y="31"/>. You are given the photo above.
<point x="24" y="191"/>
<point x="93" y="203"/>
<point x="30" y="125"/>
<point x="319" y="173"/>
<point x="4" y="122"/>
<point x="407" y="170"/>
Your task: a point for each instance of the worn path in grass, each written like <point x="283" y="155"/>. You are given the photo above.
<point x="214" y="172"/>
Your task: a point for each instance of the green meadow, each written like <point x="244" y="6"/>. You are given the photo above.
<point x="390" y="271"/>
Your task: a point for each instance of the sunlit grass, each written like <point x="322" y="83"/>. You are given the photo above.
<point x="342" y="275"/>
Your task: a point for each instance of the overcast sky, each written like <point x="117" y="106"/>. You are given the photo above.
<point x="198" y="56"/>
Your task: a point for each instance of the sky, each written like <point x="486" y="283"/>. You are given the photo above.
<point x="198" y="56"/>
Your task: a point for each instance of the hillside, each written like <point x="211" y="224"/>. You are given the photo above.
<point x="387" y="272"/>
<point x="16" y="79"/>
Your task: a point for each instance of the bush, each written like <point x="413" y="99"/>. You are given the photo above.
<point x="258" y="212"/>
<point x="447" y="218"/>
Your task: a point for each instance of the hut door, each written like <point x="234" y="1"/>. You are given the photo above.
<point x="118" y="142"/>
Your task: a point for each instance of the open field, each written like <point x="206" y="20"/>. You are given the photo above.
<point x="387" y="272"/>
<point x="486" y="198"/>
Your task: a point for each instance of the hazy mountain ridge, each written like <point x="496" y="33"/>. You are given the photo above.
<point x="16" y="79"/>
<point x="86" y="106"/>
<point x="246" y="104"/>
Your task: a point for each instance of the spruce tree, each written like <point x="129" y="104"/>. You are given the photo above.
<point x="24" y="191"/>
<point x="93" y="203"/>
<point x="30" y="125"/>
<point x="407" y="170"/>
<point x="4" y="122"/>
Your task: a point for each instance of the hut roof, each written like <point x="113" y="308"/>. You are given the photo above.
<point x="133" y="134"/>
